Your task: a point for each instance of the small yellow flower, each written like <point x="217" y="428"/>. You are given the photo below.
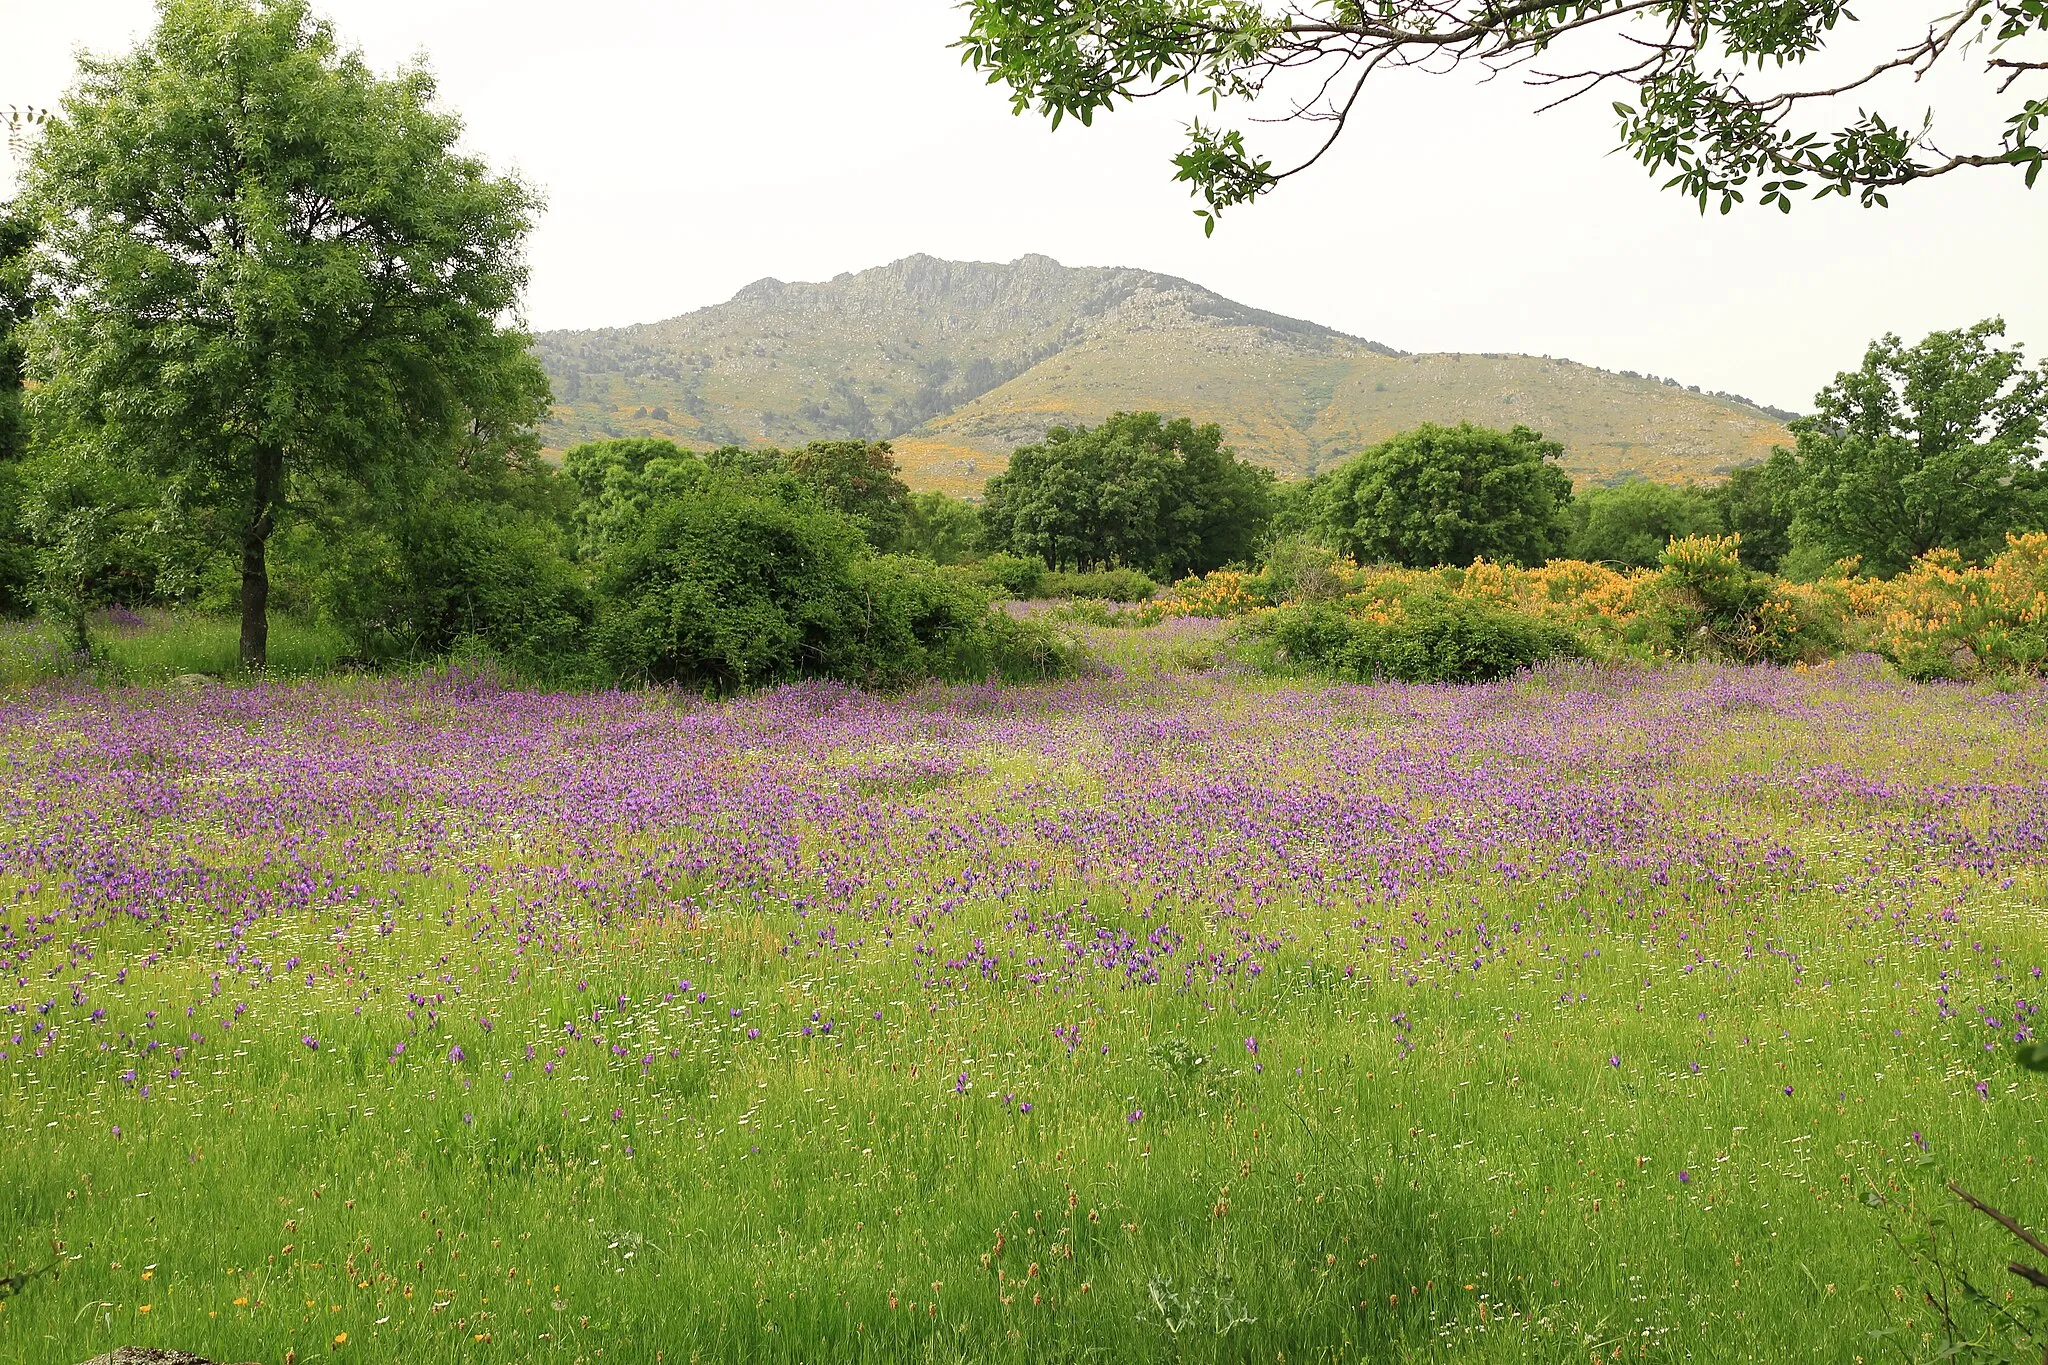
<point x="340" y="1338"/>
<point x="142" y="1308"/>
<point x="242" y="1302"/>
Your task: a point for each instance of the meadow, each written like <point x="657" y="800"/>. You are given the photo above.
<point x="1605" y="1012"/>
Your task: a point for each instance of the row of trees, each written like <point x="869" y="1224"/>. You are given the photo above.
<point x="1933" y="445"/>
<point x="1937" y="445"/>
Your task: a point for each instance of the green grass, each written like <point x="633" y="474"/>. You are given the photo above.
<point x="1418" y="1163"/>
<point x="157" y="646"/>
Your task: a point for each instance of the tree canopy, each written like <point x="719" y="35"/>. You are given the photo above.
<point x="270" y="274"/>
<point x="1166" y="497"/>
<point x="1446" y="495"/>
<point x="860" y="479"/>
<point x="1700" y="109"/>
<point x="1629" y="524"/>
<point x="1936" y="445"/>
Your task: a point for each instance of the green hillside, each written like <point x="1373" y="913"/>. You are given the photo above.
<point x="959" y="362"/>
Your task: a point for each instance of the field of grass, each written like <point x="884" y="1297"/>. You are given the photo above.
<point x="1604" y="1014"/>
<point x="154" y="647"/>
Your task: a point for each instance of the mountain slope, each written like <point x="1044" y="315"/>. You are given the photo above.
<point x="959" y="362"/>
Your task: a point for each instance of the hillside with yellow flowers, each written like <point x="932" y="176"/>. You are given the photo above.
<point x="958" y="363"/>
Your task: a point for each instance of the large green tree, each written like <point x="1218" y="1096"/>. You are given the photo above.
<point x="859" y="478"/>
<point x="1936" y="445"/>
<point x="272" y="274"/>
<point x="1756" y="504"/>
<point x="1702" y="113"/>
<point x="1447" y="495"/>
<point x="17" y="235"/>
<point x="1166" y="497"/>
<point x="1630" y="523"/>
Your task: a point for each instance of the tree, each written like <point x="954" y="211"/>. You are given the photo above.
<point x="1756" y="504"/>
<point x="1701" y="110"/>
<point x="940" y="527"/>
<point x="1448" y="495"/>
<point x="271" y="274"/>
<point x="1631" y="523"/>
<point x="17" y="561"/>
<point x="1929" y="446"/>
<point x="859" y="478"/>
<point x="1166" y="497"/>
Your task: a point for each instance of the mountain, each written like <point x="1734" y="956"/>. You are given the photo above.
<point x="959" y="362"/>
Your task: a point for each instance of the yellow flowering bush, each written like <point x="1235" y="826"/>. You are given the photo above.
<point x="1946" y="619"/>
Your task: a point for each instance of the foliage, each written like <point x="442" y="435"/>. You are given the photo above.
<point x="940" y="527"/>
<point x="1016" y="575"/>
<point x="1300" y="570"/>
<point x="1108" y="585"/>
<point x="1695" y="115"/>
<point x="17" y="297"/>
<point x="1165" y="497"/>
<point x="733" y="586"/>
<point x="1628" y="525"/>
<point x="859" y="479"/>
<point x="446" y="572"/>
<point x="1945" y="619"/>
<point x="17" y="564"/>
<point x="1932" y="446"/>
<point x="1416" y="637"/>
<point x="617" y="482"/>
<point x="87" y="525"/>
<point x="1755" y="503"/>
<point x="1447" y="495"/>
<point x="316" y="310"/>
<point x="1709" y="603"/>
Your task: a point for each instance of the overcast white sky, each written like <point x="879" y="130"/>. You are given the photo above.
<point x="687" y="147"/>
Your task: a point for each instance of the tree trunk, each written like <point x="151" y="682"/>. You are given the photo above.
<point x="255" y="562"/>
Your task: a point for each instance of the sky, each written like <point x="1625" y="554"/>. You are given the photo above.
<point x="689" y="147"/>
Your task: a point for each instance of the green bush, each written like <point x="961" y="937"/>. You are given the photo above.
<point x="445" y="573"/>
<point x="918" y="620"/>
<point x="1710" y="604"/>
<point x="1017" y="575"/>
<point x="1108" y="585"/>
<point x="734" y="587"/>
<point x="939" y="527"/>
<point x="1427" y="638"/>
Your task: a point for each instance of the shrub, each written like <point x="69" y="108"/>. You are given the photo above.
<point x="1108" y="585"/>
<point x="1630" y="524"/>
<point x="728" y="588"/>
<point x="447" y="572"/>
<point x="939" y="527"/>
<point x="1710" y="604"/>
<point x="1169" y="496"/>
<point x="1299" y="570"/>
<point x="1017" y="575"/>
<point x="917" y="620"/>
<point x="732" y="587"/>
<point x="1422" y="637"/>
<point x="1943" y="619"/>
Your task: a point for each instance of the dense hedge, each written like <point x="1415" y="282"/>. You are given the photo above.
<point x="733" y="586"/>
<point x="1426" y="637"/>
